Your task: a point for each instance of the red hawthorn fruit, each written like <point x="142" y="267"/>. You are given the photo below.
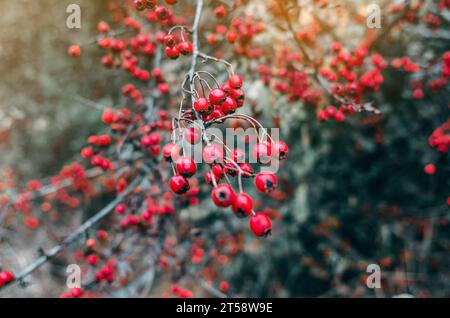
<point x="242" y="205"/>
<point x="202" y="106"/>
<point x="74" y="50"/>
<point x="266" y="181"/>
<point x="139" y="5"/>
<point x="186" y="167"/>
<point x="231" y="36"/>
<point x="209" y="178"/>
<point x="179" y="184"/>
<point x="107" y="116"/>
<point x="170" y="40"/>
<point x="220" y="12"/>
<point x="161" y="12"/>
<point x="172" y="52"/>
<point x="238" y="155"/>
<point x="121" y="208"/>
<point x="260" y="224"/>
<point x="217" y="96"/>
<point x="103" y="27"/>
<point x="262" y="151"/>
<point x="171" y="2"/>
<point x="224" y="287"/>
<point x="238" y="95"/>
<point x="185" y="48"/>
<point x="192" y="135"/>
<point x="235" y="81"/>
<point x="212" y="154"/>
<point x="6" y="277"/>
<point x="229" y="106"/>
<point x="87" y="152"/>
<point x="223" y="195"/>
<point x="247" y="169"/>
<point x="171" y="152"/>
<point x="430" y="169"/>
<point x="149" y="4"/>
<point x="92" y="259"/>
<point x="280" y="150"/>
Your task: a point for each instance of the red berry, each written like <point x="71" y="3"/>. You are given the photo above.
<point x="171" y="152"/>
<point x="220" y="12"/>
<point x="149" y="4"/>
<point x="179" y="184"/>
<point x="242" y="205"/>
<point x="430" y="169"/>
<point x="169" y="40"/>
<point x="107" y="116"/>
<point x="235" y="81"/>
<point x="229" y="106"/>
<point x="260" y="224"/>
<point x="213" y="153"/>
<point x="172" y="52"/>
<point x="92" y="259"/>
<point x="87" y="152"/>
<point x="266" y="181"/>
<point x="223" y="195"/>
<point x="161" y="12"/>
<point x="74" y="50"/>
<point x="139" y="5"/>
<point x="231" y="36"/>
<point x="224" y="286"/>
<point x="280" y="150"/>
<point x="202" y="106"/>
<point x="262" y="151"/>
<point x="217" y="96"/>
<point x="192" y="135"/>
<point x="239" y="96"/>
<point x="185" y="48"/>
<point x="209" y="178"/>
<point x="247" y="170"/>
<point x="186" y="167"/>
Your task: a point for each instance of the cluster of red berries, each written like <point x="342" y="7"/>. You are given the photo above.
<point x="222" y="102"/>
<point x="6" y="278"/>
<point x="106" y="273"/>
<point x="239" y="33"/>
<point x="181" y="293"/>
<point x="440" y="138"/>
<point x="333" y="113"/>
<point x="174" y="49"/>
<point x="288" y="80"/>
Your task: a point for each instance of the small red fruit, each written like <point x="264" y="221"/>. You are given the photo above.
<point x="179" y="184"/>
<point x="217" y="96"/>
<point x="212" y="154"/>
<point x="266" y="181"/>
<point x="235" y="81"/>
<point x="202" y="106"/>
<point x="242" y="205"/>
<point x="172" y="52"/>
<point x="74" y="50"/>
<point x="280" y="150"/>
<point x="185" y="48"/>
<point x="260" y="224"/>
<point x="229" y="106"/>
<point x="430" y="169"/>
<point x="223" y="195"/>
<point x="186" y="167"/>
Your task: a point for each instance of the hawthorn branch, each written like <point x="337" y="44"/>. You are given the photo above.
<point x="19" y="278"/>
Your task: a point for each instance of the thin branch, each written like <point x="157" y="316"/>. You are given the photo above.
<point x="19" y="278"/>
